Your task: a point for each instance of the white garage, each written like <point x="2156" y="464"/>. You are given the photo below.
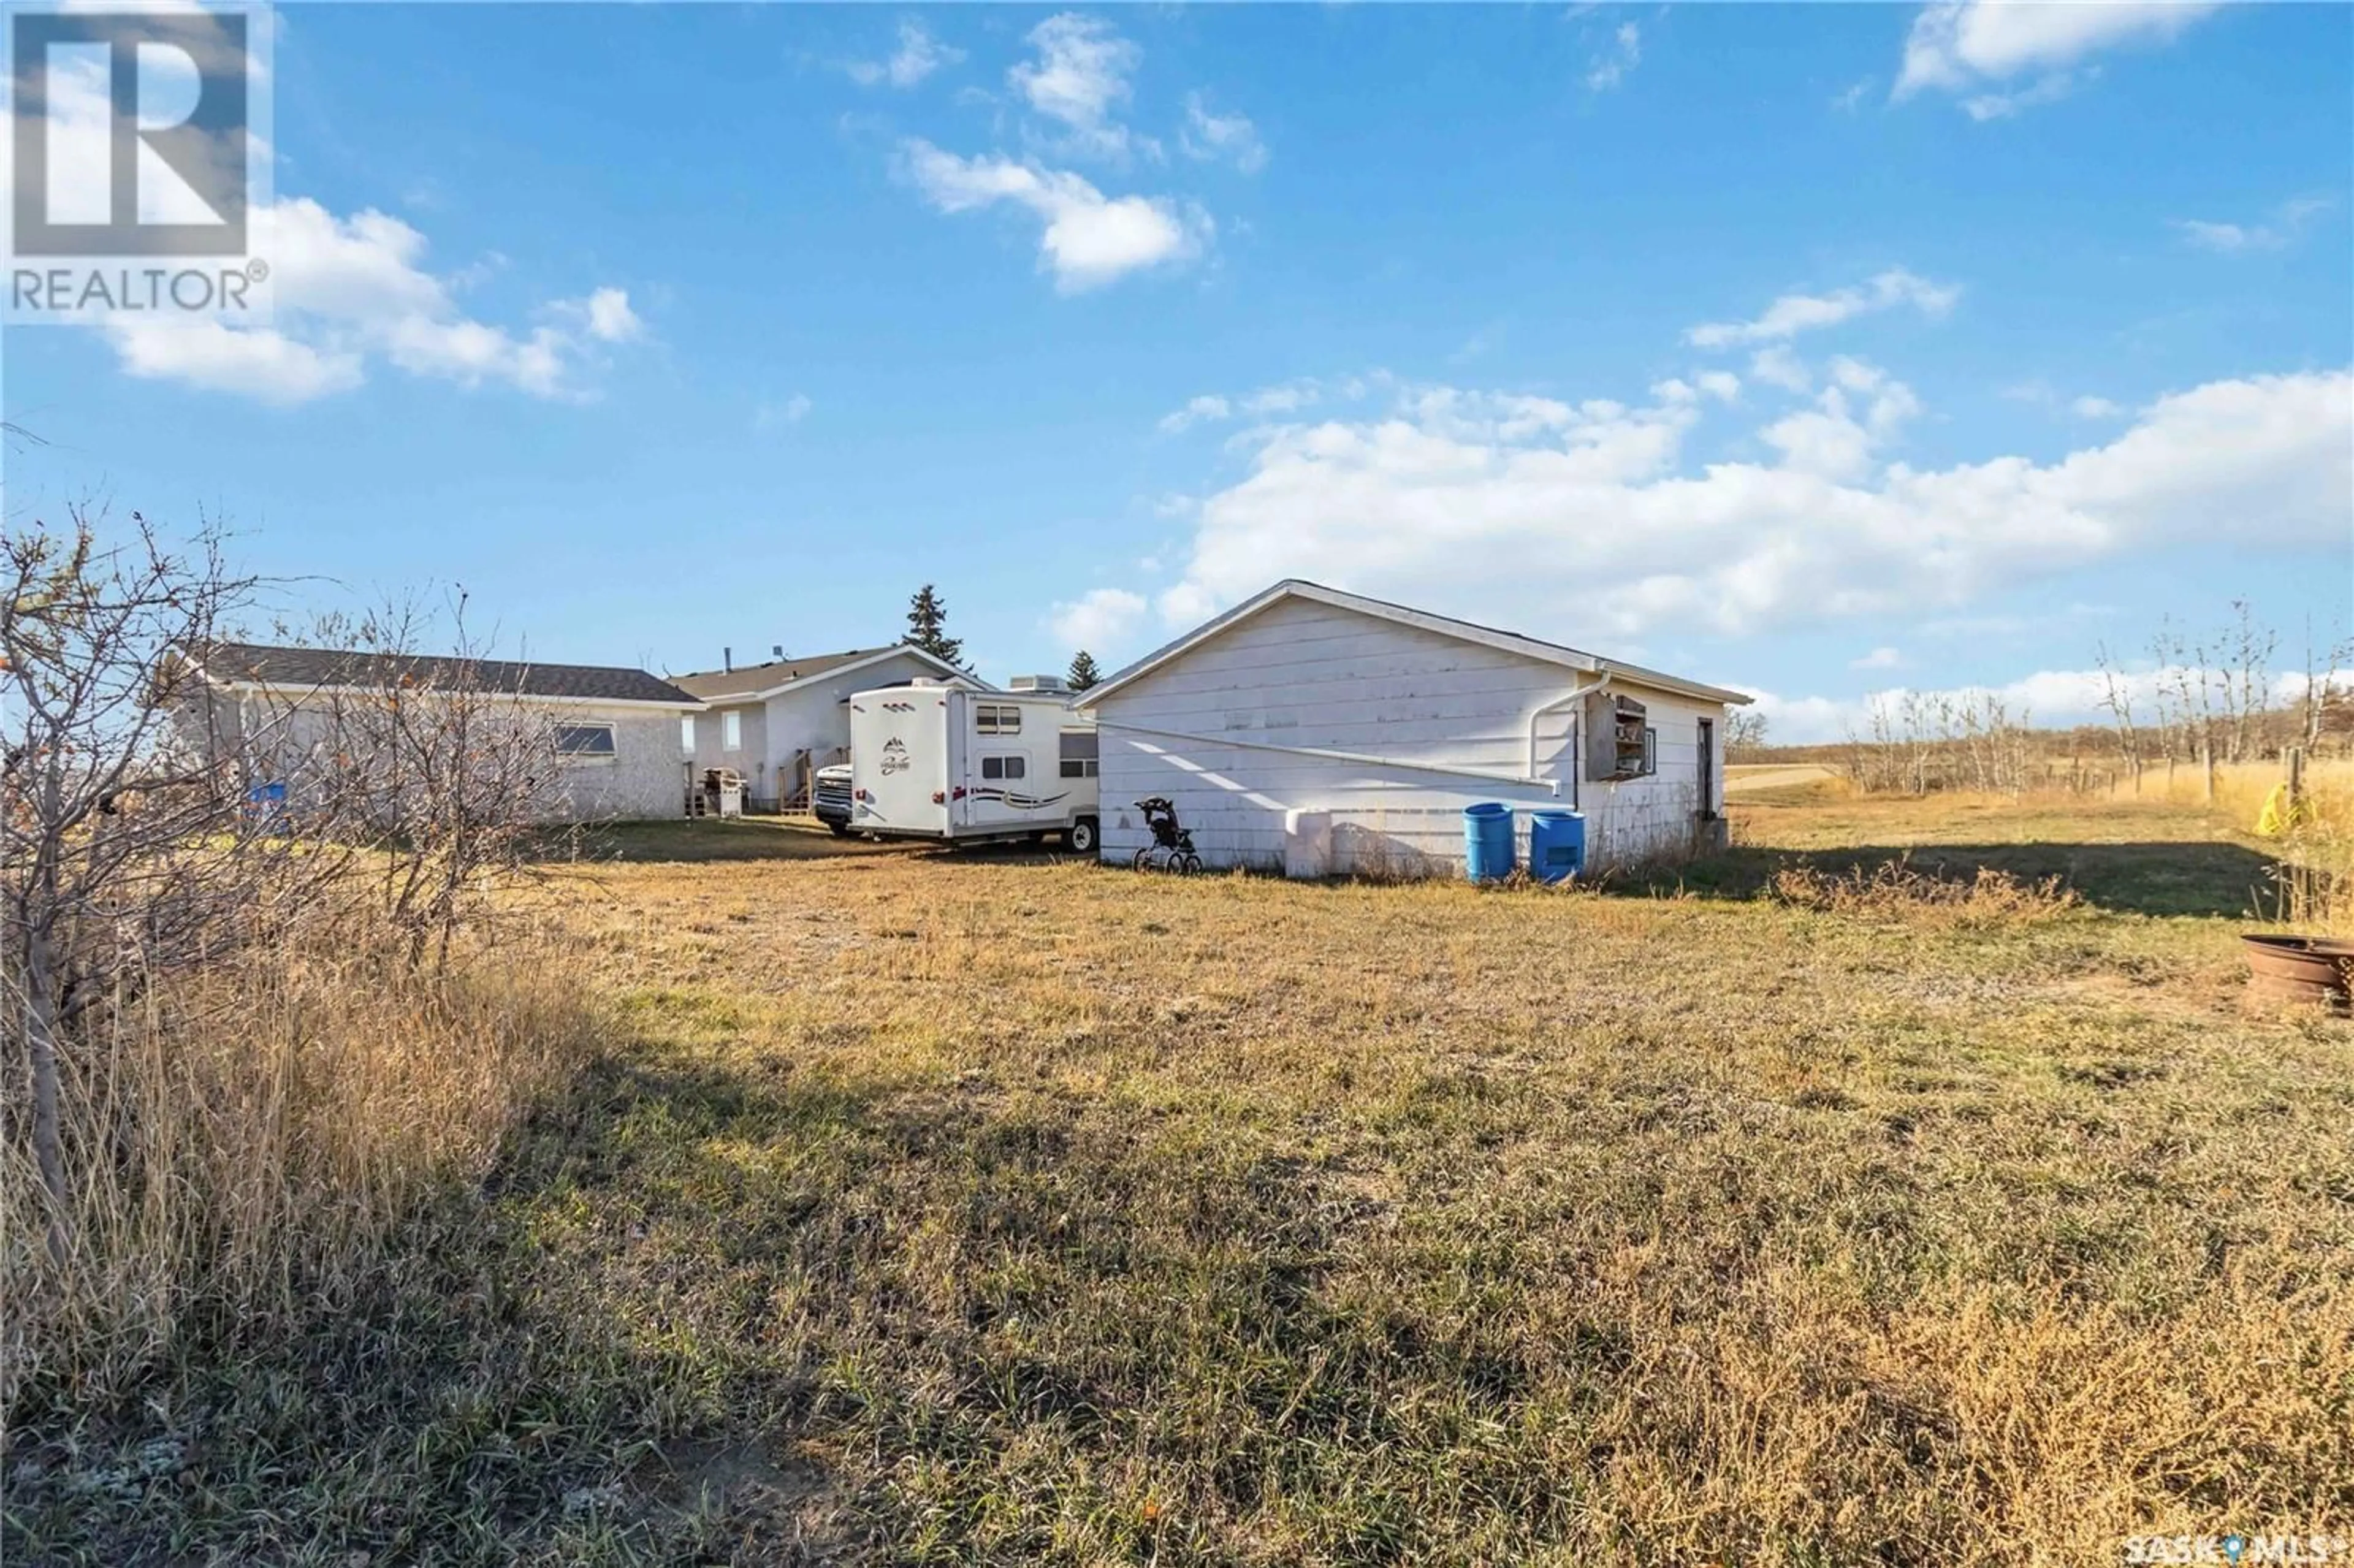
<point x="1322" y="732"/>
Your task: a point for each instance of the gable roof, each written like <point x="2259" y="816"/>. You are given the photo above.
<point x="257" y="664"/>
<point x="1382" y="610"/>
<point x="748" y="682"/>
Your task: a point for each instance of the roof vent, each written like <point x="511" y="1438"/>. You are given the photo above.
<point x="1037" y="683"/>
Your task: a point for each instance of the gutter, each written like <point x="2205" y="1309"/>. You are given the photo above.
<point x="297" y="694"/>
<point x="1576" y="763"/>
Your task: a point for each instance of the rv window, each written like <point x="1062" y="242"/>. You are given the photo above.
<point x="1078" y="754"/>
<point x="584" y="739"/>
<point x="731" y="732"/>
<point x="1004" y="768"/>
<point x="993" y="718"/>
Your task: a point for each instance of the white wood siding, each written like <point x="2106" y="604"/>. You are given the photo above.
<point x="1205" y="730"/>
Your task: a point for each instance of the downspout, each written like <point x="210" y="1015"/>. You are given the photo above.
<point x="1577" y="770"/>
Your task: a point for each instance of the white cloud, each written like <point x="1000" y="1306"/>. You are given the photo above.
<point x="919" y="56"/>
<point x="1281" y="398"/>
<point x="1509" y="508"/>
<point x="775" y="415"/>
<point x="1609" y="68"/>
<point x="1285" y="398"/>
<point x="1229" y="137"/>
<point x="607" y="315"/>
<point x="1087" y="239"/>
<point x="1968" y="46"/>
<point x="2234" y="238"/>
<point x="1878" y="659"/>
<point x="347" y="293"/>
<point x="1208" y="406"/>
<point x="1079" y="77"/>
<point x="1722" y="384"/>
<point x="2039" y="393"/>
<point x="353" y="290"/>
<point x="1099" y="618"/>
<point x="2051" y="89"/>
<point x="252" y="361"/>
<point x="1794" y="313"/>
<point x="1778" y="366"/>
<point x="1851" y="97"/>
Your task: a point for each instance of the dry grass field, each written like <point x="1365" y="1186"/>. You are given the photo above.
<point x="992" y="1208"/>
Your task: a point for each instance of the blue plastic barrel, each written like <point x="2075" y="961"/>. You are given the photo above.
<point x="1487" y="841"/>
<point x="1557" y="845"/>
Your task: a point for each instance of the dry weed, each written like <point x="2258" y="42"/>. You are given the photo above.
<point x="1898" y="890"/>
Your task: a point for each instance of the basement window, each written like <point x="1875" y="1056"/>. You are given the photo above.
<point x="583" y="740"/>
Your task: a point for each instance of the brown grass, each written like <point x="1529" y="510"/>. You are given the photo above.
<point x="246" y="1143"/>
<point x="1000" y="1209"/>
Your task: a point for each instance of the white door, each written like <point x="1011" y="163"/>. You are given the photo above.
<point x="1003" y="791"/>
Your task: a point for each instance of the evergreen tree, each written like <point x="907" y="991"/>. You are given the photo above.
<point x="1084" y="673"/>
<point x="927" y="616"/>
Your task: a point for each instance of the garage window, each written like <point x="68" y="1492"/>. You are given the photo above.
<point x="583" y="740"/>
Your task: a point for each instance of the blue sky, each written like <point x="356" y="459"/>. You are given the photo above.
<point x="1811" y="350"/>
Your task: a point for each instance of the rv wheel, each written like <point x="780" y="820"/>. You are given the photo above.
<point x="1081" y="837"/>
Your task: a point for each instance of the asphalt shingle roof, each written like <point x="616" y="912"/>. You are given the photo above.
<point x="710" y="684"/>
<point x="228" y="662"/>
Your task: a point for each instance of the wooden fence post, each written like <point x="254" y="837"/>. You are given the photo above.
<point x="2207" y="762"/>
<point x="2296" y="759"/>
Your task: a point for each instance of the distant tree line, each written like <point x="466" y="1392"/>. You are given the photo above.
<point x="2219" y="695"/>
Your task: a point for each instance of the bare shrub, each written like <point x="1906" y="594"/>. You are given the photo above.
<point x="172" y="863"/>
<point x="1896" y="889"/>
<point x="436" y="767"/>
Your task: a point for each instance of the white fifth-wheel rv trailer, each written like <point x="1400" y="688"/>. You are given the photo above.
<point x="940" y="762"/>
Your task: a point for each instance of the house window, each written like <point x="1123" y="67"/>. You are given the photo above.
<point x="994" y="718"/>
<point x="731" y="731"/>
<point x="1078" y="754"/>
<point x="1004" y="768"/>
<point x="687" y="734"/>
<point x="583" y="740"/>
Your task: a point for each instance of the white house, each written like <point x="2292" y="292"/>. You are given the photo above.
<point x="1325" y="733"/>
<point x="614" y="730"/>
<point x="778" y="722"/>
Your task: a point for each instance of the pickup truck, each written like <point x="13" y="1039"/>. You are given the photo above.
<point x="830" y="798"/>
